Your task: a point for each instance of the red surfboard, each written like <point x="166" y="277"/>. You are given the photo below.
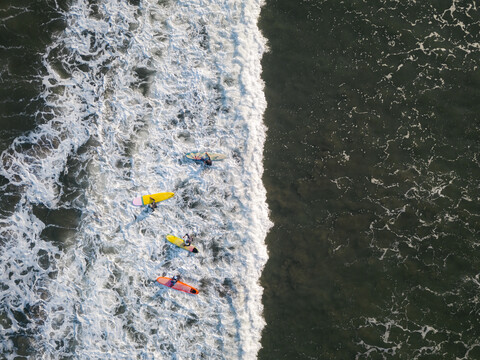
<point x="180" y="286"/>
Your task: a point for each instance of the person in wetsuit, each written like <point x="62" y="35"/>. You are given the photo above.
<point x="207" y="160"/>
<point x="153" y="205"/>
<point x="187" y="240"/>
<point x="174" y="280"/>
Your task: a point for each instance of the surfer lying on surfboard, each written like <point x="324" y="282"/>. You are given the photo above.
<point x="153" y="205"/>
<point x="207" y="160"/>
<point x="176" y="284"/>
<point x="174" y="280"/>
<point x="187" y="240"/>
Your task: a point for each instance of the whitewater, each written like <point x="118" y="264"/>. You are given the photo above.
<point x="130" y="87"/>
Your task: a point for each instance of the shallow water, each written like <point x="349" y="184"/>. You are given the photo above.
<point x="127" y="88"/>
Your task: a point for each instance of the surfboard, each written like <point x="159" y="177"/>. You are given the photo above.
<point x="145" y="199"/>
<point x="179" y="242"/>
<point x="180" y="286"/>
<point x="199" y="156"/>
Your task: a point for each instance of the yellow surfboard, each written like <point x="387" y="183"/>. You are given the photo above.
<point x="179" y="242"/>
<point x="145" y="199"/>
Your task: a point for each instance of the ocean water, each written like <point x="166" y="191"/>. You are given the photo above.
<point x="372" y="174"/>
<point x="356" y="122"/>
<point x="102" y="99"/>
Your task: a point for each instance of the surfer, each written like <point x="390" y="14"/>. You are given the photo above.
<point x="174" y="280"/>
<point x="187" y="239"/>
<point x="152" y="205"/>
<point x="207" y="160"/>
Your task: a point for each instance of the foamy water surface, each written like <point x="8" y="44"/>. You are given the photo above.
<point x="130" y="88"/>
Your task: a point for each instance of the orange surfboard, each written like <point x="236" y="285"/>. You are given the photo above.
<point x="180" y="286"/>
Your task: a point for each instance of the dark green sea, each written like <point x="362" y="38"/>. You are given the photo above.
<point x="372" y="167"/>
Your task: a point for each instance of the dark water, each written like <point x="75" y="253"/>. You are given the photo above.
<point x="26" y="28"/>
<point x="372" y="172"/>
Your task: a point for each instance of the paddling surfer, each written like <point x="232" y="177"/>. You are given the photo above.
<point x="207" y="160"/>
<point x="174" y="280"/>
<point x="153" y="205"/>
<point x="187" y="240"/>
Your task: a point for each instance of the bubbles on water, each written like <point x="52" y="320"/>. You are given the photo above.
<point x="125" y="108"/>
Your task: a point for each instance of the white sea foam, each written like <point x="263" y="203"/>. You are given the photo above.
<point x="144" y="85"/>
